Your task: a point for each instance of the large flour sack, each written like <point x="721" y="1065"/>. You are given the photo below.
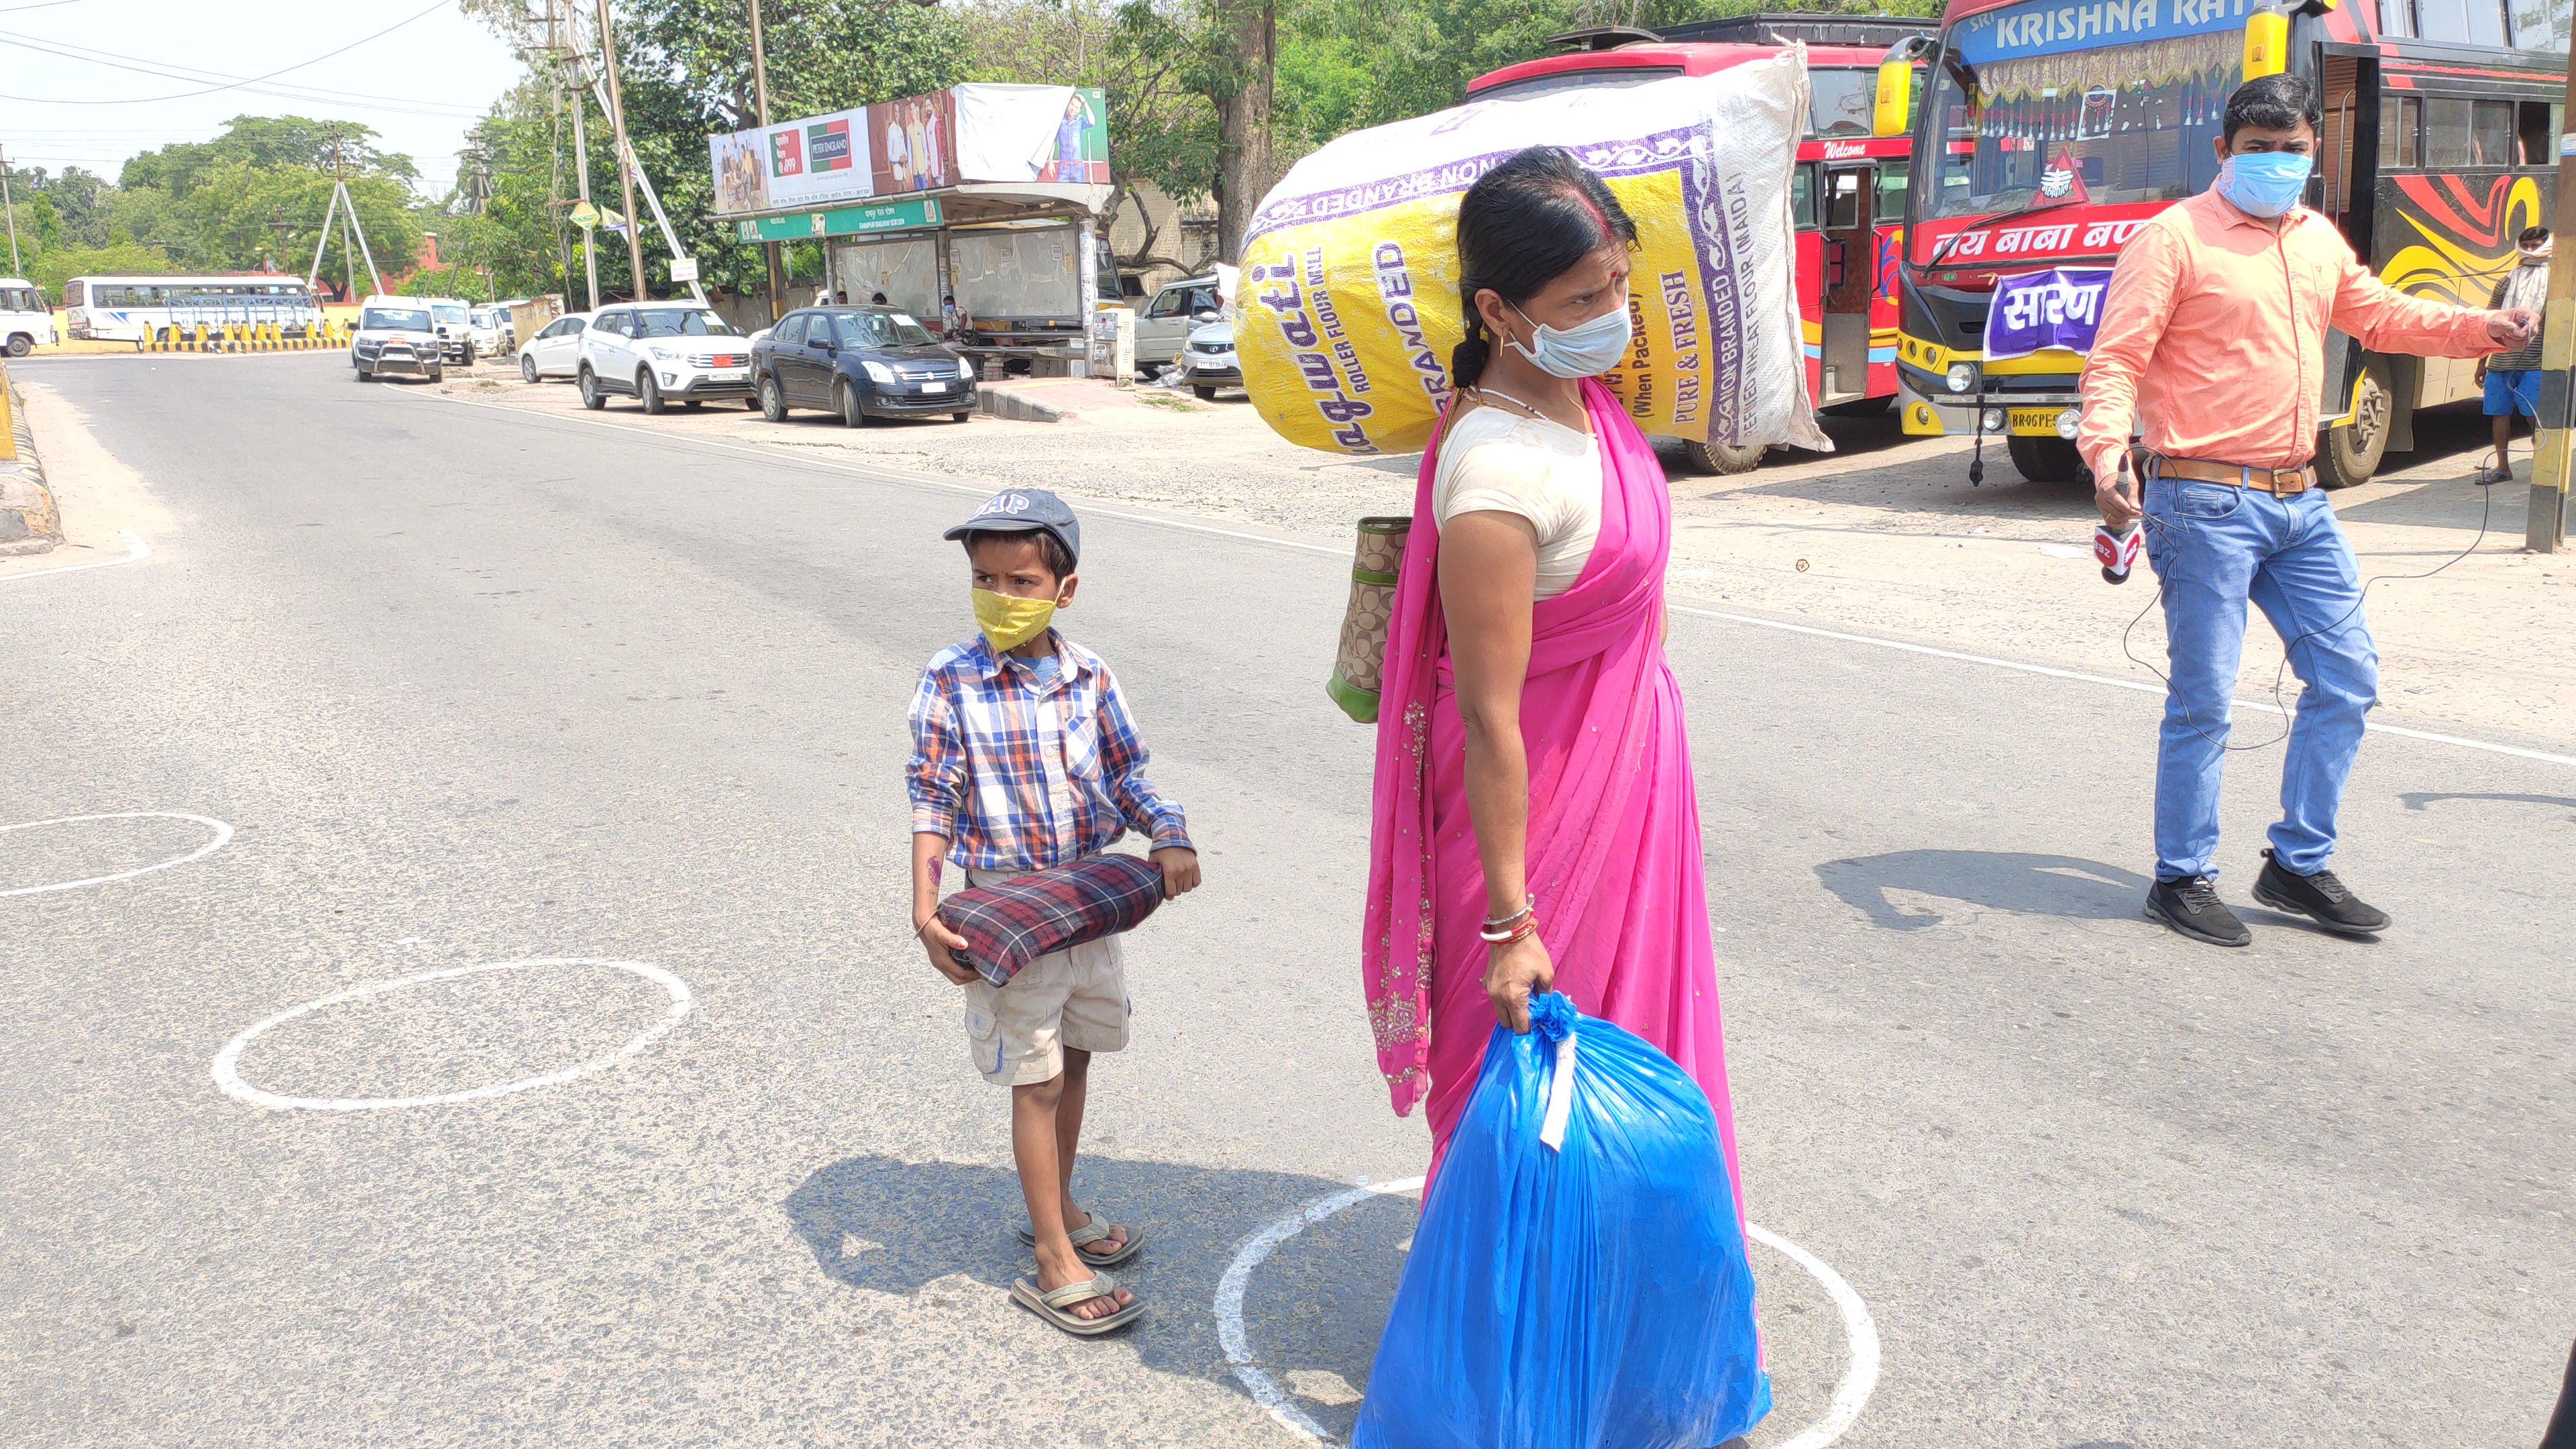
<point x="1348" y="304"/>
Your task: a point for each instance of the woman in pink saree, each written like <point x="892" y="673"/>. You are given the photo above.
<point x="1534" y="824"/>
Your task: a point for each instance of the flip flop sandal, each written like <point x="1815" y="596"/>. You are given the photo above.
<point x="1056" y="1307"/>
<point x="1093" y="1232"/>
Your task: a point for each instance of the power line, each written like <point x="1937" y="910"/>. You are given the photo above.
<point x="171" y="70"/>
<point x="229" y="85"/>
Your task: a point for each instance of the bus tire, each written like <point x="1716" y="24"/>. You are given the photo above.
<point x="2352" y="453"/>
<point x="20" y="344"/>
<point x="1724" y="458"/>
<point x="2047" y="460"/>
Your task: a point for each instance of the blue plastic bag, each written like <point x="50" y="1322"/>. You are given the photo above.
<point x="1578" y="1280"/>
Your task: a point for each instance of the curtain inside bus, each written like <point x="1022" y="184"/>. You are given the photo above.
<point x="2139" y="119"/>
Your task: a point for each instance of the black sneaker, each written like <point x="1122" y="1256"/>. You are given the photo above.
<point x="2191" y="905"/>
<point x="2320" y="897"/>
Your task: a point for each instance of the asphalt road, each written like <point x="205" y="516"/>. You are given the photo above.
<point x="474" y="686"/>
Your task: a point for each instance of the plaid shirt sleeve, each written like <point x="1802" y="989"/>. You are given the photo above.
<point x="1122" y="760"/>
<point x="935" y="776"/>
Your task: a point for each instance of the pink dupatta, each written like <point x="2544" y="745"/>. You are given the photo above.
<point x="1613" y="848"/>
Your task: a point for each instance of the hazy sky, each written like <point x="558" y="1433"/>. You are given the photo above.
<point x="419" y="86"/>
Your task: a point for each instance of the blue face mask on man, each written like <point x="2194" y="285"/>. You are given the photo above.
<point x="2264" y="183"/>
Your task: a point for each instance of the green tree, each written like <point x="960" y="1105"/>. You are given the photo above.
<point x="268" y="142"/>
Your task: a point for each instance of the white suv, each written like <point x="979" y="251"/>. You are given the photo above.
<point x="396" y="335"/>
<point x="663" y="352"/>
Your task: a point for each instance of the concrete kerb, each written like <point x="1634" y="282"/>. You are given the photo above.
<point x="29" y="521"/>
<point x="997" y="400"/>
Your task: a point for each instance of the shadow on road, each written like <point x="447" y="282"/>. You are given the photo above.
<point x="1313" y="1311"/>
<point x="2419" y="799"/>
<point x="1994" y="880"/>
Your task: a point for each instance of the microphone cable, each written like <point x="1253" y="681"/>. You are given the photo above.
<point x="2280" y="676"/>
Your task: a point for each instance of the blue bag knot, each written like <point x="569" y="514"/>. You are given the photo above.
<point x="1552" y="1015"/>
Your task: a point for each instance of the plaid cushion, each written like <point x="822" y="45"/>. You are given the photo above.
<point x="1006" y="926"/>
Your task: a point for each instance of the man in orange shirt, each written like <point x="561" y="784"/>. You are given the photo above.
<point x="2212" y="340"/>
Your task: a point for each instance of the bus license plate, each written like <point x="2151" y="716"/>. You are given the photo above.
<point x="2029" y="422"/>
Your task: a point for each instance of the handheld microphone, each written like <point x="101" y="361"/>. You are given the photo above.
<point x="2117" y="552"/>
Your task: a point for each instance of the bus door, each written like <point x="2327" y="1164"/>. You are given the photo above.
<point x="2358" y="407"/>
<point x="1808" y="213"/>
<point x="1850" y="281"/>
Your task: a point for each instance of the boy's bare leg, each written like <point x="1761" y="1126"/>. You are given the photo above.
<point x="2503" y="429"/>
<point x="1068" y="1141"/>
<point x="1042" y="1165"/>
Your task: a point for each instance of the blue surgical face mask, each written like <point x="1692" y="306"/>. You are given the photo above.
<point x="1587" y="349"/>
<point x="2264" y="183"/>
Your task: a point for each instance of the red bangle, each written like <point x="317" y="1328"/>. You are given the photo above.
<point x="1527" y="927"/>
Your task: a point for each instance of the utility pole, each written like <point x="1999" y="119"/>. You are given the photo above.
<point x="2545" y="526"/>
<point x="581" y="168"/>
<point x="625" y="152"/>
<point x="12" y="206"/>
<point x="554" y="152"/>
<point x="760" y="90"/>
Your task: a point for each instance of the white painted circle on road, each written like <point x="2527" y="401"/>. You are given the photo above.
<point x="222" y="834"/>
<point x="227" y="1065"/>
<point x="1849" y="1397"/>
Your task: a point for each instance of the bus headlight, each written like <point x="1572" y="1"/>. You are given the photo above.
<point x="1962" y="377"/>
<point x="1994" y="420"/>
<point x="2067" y="423"/>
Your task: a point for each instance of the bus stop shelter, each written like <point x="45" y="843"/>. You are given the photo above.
<point x="990" y="194"/>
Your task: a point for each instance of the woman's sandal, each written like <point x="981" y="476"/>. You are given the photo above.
<point x="1056" y="1307"/>
<point x="1093" y="1232"/>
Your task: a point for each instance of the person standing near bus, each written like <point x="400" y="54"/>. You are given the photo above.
<point x="2212" y="339"/>
<point x="2512" y="379"/>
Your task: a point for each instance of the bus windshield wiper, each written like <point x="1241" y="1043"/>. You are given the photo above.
<point x="1949" y="243"/>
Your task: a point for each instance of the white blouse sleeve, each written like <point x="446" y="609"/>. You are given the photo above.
<point x="1502" y="476"/>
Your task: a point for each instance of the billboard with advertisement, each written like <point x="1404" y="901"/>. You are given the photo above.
<point x="1050" y="135"/>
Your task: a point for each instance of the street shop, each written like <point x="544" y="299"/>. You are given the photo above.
<point x="990" y="194"/>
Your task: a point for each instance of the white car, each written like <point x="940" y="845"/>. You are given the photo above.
<point x="483" y="324"/>
<point x="1168" y="320"/>
<point x="25" y="324"/>
<point x="556" y="350"/>
<point x="663" y="352"/>
<point x="1209" y="363"/>
<point x="397" y="336"/>
<point x="455" y="318"/>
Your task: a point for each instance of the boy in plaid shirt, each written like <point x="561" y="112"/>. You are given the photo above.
<point x="1024" y="757"/>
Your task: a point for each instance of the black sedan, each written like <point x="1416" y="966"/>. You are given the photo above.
<point x="860" y="362"/>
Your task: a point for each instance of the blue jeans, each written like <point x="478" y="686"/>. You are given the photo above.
<point x="2215" y="546"/>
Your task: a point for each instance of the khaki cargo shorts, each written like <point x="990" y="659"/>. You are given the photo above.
<point x="1077" y="998"/>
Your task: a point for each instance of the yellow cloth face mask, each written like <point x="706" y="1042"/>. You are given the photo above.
<point x="1010" y="622"/>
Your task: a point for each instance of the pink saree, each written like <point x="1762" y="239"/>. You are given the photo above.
<point x="1614" y="843"/>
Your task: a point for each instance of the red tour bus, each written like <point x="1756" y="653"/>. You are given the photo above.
<point x="2056" y="128"/>
<point x="1849" y="188"/>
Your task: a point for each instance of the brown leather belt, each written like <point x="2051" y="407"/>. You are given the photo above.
<point x="2275" y="481"/>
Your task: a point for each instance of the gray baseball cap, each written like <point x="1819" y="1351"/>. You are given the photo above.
<point x="1024" y="510"/>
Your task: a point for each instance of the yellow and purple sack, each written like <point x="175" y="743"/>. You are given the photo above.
<point x="1348" y="304"/>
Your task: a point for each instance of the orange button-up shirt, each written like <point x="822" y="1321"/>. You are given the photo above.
<point x="2213" y="335"/>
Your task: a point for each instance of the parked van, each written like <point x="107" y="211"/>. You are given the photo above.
<point x="25" y="325"/>
<point x="397" y="336"/>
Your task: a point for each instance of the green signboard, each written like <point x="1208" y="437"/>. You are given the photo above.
<point x="842" y="221"/>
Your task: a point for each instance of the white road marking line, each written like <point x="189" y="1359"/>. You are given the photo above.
<point x="139" y="550"/>
<point x="1849" y="1397"/>
<point x="223" y="833"/>
<point x="1852" y="1394"/>
<point x="890" y="475"/>
<point x="2264" y="706"/>
<point x="227" y="1062"/>
<point x="1229" y="1300"/>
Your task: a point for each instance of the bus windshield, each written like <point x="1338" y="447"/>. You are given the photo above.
<point x="2138" y="118"/>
